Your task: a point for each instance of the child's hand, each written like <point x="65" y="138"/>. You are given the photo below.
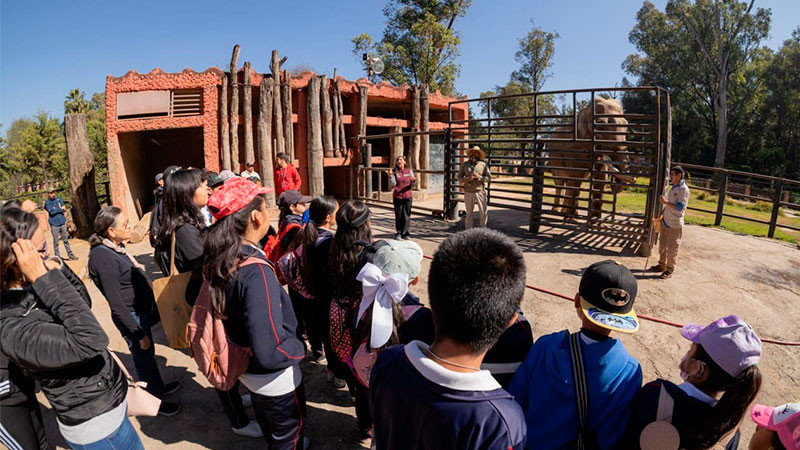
<point x="29" y="261"/>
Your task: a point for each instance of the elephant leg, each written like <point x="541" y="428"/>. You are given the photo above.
<point x="571" y="200"/>
<point x="596" y="205"/>
<point x="557" y="199"/>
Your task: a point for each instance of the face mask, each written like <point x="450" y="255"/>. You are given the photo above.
<point x="686" y="361"/>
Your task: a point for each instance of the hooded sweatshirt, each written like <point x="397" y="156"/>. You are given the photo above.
<point x="419" y="404"/>
<point x="543" y="387"/>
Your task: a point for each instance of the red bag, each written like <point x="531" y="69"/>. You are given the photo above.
<point x="274" y="251"/>
<point x="219" y="359"/>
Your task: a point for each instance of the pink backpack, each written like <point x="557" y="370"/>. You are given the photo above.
<point x="217" y="357"/>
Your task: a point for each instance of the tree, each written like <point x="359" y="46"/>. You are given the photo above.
<point x="37" y="149"/>
<point x="782" y="105"/>
<point x="535" y="51"/>
<point x="75" y="102"/>
<point x="698" y="50"/>
<point x="419" y="44"/>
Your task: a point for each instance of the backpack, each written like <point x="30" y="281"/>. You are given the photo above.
<point x="290" y="271"/>
<point x="217" y="357"/>
<point x="273" y="246"/>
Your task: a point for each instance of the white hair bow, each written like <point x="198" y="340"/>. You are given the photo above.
<point x="381" y="291"/>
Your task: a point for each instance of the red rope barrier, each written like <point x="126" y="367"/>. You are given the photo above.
<point x="645" y="317"/>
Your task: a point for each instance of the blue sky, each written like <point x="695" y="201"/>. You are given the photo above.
<point x="49" y="47"/>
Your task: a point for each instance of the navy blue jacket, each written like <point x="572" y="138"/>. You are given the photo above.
<point x="56" y="214"/>
<point x="416" y="410"/>
<point x="260" y="316"/>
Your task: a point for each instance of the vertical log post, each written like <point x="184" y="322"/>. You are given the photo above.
<point x="776" y="206"/>
<point x="234" y="111"/>
<point x="395" y="145"/>
<point x="723" y="189"/>
<point x="335" y="108"/>
<point x="362" y="131"/>
<point x="342" y="145"/>
<point x="247" y="106"/>
<point x="275" y="68"/>
<point x="314" y="142"/>
<point x="425" y="143"/>
<point x="288" y="127"/>
<point x="327" y="120"/>
<point x="224" y="138"/>
<point x="413" y="141"/>
<point x="265" y="156"/>
<point x="81" y="174"/>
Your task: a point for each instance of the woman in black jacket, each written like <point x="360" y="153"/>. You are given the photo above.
<point x="257" y="312"/>
<point x="185" y="193"/>
<point x="125" y="285"/>
<point x="51" y="335"/>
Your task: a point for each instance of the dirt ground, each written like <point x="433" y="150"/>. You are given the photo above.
<point x="718" y="273"/>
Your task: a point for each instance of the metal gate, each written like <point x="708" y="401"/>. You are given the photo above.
<point x="592" y="160"/>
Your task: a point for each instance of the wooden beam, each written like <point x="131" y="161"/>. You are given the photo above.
<point x="425" y="142"/>
<point x="327" y="120"/>
<point x="224" y="138"/>
<point x="395" y="145"/>
<point x="275" y="68"/>
<point x="314" y="150"/>
<point x="413" y="147"/>
<point x="288" y="128"/>
<point x="336" y="118"/>
<point x="342" y="145"/>
<point x="81" y="174"/>
<point x="247" y="106"/>
<point x="265" y="138"/>
<point x="358" y="182"/>
<point x="234" y="111"/>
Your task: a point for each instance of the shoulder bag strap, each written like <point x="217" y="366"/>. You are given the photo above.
<point x="172" y="269"/>
<point x="580" y="386"/>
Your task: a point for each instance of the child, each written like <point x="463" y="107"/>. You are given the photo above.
<point x="437" y="397"/>
<point x="544" y="385"/>
<point x="257" y="311"/>
<point x="721" y="360"/>
<point x="778" y="428"/>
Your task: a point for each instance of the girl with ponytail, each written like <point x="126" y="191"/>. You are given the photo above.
<point x="721" y="380"/>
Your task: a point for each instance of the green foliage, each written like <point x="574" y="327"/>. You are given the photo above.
<point x="419" y="45"/>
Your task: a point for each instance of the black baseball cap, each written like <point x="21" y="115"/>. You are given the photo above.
<point x="292" y="197"/>
<point x="608" y="290"/>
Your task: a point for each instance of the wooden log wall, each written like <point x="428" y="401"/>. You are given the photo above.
<point x="314" y="141"/>
<point x="277" y="111"/>
<point x="413" y="141"/>
<point x="247" y="106"/>
<point x="358" y="183"/>
<point x="342" y="144"/>
<point x="425" y="143"/>
<point x="265" y="155"/>
<point x="335" y="107"/>
<point x="288" y="127"/>
<point x="327" y="119"/>
<point x="395" y="145"/>
<point x="234" y="110"/>
<point x="224" y="141"/>
<point x="81" y="174"/>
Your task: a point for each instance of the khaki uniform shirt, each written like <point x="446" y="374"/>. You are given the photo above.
<point x="467" y="169"/>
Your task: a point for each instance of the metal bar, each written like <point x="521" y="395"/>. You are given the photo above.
<point x="739" y="173"/>
<point x="692" y="208"/>
<point x="564" y="91"/>
<point x="748" y="219"/>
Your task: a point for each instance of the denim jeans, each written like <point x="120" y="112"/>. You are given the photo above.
<point x="61" y="231"/>
<point x="125" y="438"/>
<point x="143" y="360"/>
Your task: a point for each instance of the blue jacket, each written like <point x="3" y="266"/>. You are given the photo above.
<point x="419" y="404"/>
<point x="53" y="208"/>
<point x="543" y="387"/>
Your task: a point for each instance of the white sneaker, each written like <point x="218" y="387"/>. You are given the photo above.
<point x="253" y="429"/>
<point x="247" y="401"/>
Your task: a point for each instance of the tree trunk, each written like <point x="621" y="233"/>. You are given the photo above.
<point x="413" y="141"/>
<point x="81" y="174"/>
<point x="314" y="141"/>
<point x="249" y="156"/>
<point x="275" y="68"/>
<point x="288" y="127"/>
<point x="224" y="138"/>
<point x="425" y="143"/>
<point x="327" y="120"/>
<point x="342" y="138"/>
<point x="722" y="126"/>
<point x="234" y="111"/>
<point x="335" y="108"/>
<point x="265" y="138"/>
<point x="362" y="131"/>
<point x="396" y="145"/>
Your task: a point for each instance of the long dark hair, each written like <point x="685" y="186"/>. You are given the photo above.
<point x="352" y="226"/>
<point x="320" y="208"/>
<point x="738" y="393"/>
<point x="363" y="331"/>
<point x="222" y="247"/>
<point x="179" y="208"/>
<point x="106" y="217"/>
<point x="14" y="224"/>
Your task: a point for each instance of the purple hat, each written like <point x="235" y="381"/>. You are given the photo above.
<point x="729" y="341"/>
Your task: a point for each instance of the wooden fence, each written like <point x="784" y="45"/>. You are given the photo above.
<point x="779" y="192"/>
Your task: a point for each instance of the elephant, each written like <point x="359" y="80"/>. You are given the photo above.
<point x="570" y="172"/>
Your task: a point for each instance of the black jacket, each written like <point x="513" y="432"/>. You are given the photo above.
<point x="50" y="333"/>
<point x="126" y="288"/>
<point x="188" y="250"/>
<point x="260" y="316"/>
<point x="320" y="254"/>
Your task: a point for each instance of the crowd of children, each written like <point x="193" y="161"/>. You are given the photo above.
<point x="461" y="373"/>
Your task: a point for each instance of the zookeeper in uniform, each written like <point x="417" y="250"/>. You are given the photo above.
<point x="669" y="239"/>
<point x="473" y="175"/>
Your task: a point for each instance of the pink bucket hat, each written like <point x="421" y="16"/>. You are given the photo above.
<point x="729" y="341"/>
<point x="784" y="420"/>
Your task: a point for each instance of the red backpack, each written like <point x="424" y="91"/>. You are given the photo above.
<point x="217" y="357"/>
<point x="273" y="248"/>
